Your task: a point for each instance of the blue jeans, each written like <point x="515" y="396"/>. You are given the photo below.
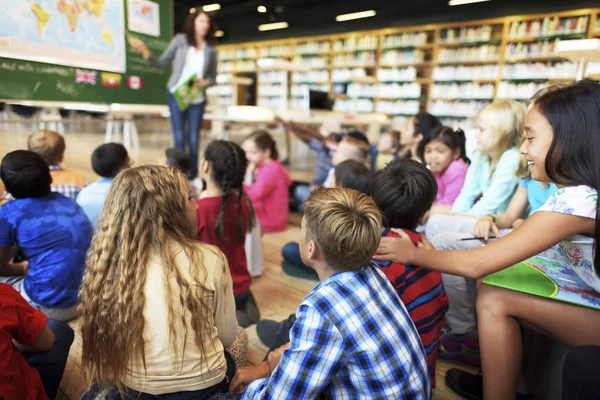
<point x="301" y="194"/>
<point x="291" y="253"/>
<point x="51" y="364"/>
<point x="193" y="115"/>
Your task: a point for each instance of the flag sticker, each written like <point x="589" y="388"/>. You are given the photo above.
<point x="85" y="77"/>
<point x="134" y="82"/>
<point x="110" y="79"/>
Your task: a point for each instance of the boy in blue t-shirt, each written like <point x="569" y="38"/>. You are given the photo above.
<point x="51" y="230"/>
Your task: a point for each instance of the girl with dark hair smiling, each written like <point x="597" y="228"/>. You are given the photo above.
<point x="562" y="142"/>
<point x="189" y="53"/>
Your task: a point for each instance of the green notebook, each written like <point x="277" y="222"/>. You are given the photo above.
<point x="186" y="93"/>
<point x="558" y="283"/>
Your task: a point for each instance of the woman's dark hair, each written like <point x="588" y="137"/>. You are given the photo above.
<point x="404" y="191"/>
<point x="572" y="159"/>
<point x="264" y="141"/>
<point x="425" y="122"/>
<point x="109" y="159"/>
<point x="189" y="27"/>
<point x="228" y="165"/>
<point x="351" y="174"/>
<point x="25" y="174"/>
<point x="179" y="159"/>
<point x="452" y="138"/>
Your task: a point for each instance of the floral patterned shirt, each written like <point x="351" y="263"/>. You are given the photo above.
<point x="576" y="252"/>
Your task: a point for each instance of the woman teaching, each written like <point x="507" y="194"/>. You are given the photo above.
<point x="190" y="54"/>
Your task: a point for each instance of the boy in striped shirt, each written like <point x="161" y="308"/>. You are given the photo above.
<point x="404" y="192"/>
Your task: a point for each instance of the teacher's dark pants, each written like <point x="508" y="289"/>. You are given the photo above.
<point x="187" y="141"/>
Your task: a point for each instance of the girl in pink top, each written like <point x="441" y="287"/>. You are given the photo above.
<point x="269" y="190"/>
<point x="443" y="150"/>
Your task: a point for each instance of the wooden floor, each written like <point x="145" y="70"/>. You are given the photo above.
<point x="278" y="295"/>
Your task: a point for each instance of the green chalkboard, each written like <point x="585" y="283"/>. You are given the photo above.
<point x="132" y="81"/>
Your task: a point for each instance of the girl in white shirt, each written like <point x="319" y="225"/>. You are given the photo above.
<point x="157" y="306"/>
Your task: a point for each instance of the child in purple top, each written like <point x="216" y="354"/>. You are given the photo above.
<point x="443" y="150"/>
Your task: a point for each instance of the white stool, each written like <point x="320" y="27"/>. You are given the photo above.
<point x="51" y="119"/>
<point x="113" y="130"/>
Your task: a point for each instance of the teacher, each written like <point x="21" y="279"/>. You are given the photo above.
<point x="190" y="54"/>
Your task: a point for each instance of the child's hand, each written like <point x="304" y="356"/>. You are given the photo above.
<point x="247" y="375"/>
<point x="518" y="223"/>
<point x="201" y="83"/>
<point x="398" y="250"/>
<point x="483" y="226"/>
<point x="275" y="356"/>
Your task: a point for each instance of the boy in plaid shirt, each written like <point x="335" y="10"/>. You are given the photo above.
<point x="50" y="145"/>
<point x="352" y="338"/>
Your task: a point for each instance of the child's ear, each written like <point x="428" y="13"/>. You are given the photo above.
<point x="424" y="218"/>
<point x="205" y="167"/>
<point x="313" y="251"/>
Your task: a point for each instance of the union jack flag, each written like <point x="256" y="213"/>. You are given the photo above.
<point x="84" y="76"/>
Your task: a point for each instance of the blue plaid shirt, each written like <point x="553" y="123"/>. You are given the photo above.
<point x="353" y="339"/>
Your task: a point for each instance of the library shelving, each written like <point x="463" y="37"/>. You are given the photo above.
<point x="449" y="69"/>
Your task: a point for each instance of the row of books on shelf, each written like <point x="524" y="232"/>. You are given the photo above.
<point x="303" y="90"/>
<point x="405" y="39"/>
<point x="314" y="76"/>
<point x="385" y="90"/>
<point x="313" y="61"/>
<point x="458" y="109"/>
<point x="354" y="106"/>
<point x="467" y="73"/>
<point x="485" y="52"/>
<point x="271" y="90"/>
<point x="220" y="90"/>
<point x="276" y="50"/>
<point x="540" y="70"/>
<point x="356" y="43"/>
<point x="347" y="74"/>
<point x="546" y="48"/>
<point x="224" y="102"/>
<point x="396" y="74"/>
<point x="548" y="26"/>
<point x="463" y="91"/>
<point x="392" y="57"/>
<point x="271" y="77"/>
<point x="246" y="52"/>
<point x="518" y="91"/>
<point x="466" y="34"/>
<point x="363" y="58"/>
<point x="313" y="47"/>
<point x="245" y="65"/>
<point x="270" y="102"/>
<point x="409" y="107"/>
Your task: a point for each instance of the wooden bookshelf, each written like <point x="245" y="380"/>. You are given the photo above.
<point x="458" y="62"/>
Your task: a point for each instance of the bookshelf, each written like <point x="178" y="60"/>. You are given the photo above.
<point x="451" y="70"/>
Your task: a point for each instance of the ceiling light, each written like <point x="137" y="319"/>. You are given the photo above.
<point x="356" y="15"/>
<point x="462" y="2"/>
<point x="219" y="33"/>
<point x="273" y="26"/>
<point x="192" y="10"/>
<point x="211" y="7"/>
<point x="262" y="9"/>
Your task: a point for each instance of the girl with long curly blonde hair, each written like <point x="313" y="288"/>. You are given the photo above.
<point x="157" y="306"/>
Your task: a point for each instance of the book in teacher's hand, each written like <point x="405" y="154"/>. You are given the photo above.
<point x="188" y="92"/>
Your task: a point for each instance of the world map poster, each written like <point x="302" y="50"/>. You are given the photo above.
<point x="77" y="33"/>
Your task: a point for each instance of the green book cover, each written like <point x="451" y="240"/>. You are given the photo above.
<point x="188" y="92"/>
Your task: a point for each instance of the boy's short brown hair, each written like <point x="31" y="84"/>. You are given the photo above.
<point x="50" y="145"/>
<point x="346" y="226"/>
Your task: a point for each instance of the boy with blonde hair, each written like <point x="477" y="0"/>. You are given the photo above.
<point x="50" y="145"/>
<point x="352" y="324"/>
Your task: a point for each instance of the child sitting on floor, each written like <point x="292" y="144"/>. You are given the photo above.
<point x="157" y="308"/>
<point x="269" y="190"/>
<point x="352" y="324"/>
<point x="349" y="174"/>
<point x="413" y="132"/>
<point x="404" y="192"/>
<point x="443" y="150"/>
<point x="225" y="215"/>
<point x="386" y="150"/>
<point x="178" y="159"/>
<point x="354" y="146"/>
<point x="107" y="161"/>
<point x="50" y="229"/>
<point x="34" y="349"/>
<point x="50" y="145"/>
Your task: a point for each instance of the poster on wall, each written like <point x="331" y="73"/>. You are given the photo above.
<point x="80" y="33"/>
<point x="143" y="17"/>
